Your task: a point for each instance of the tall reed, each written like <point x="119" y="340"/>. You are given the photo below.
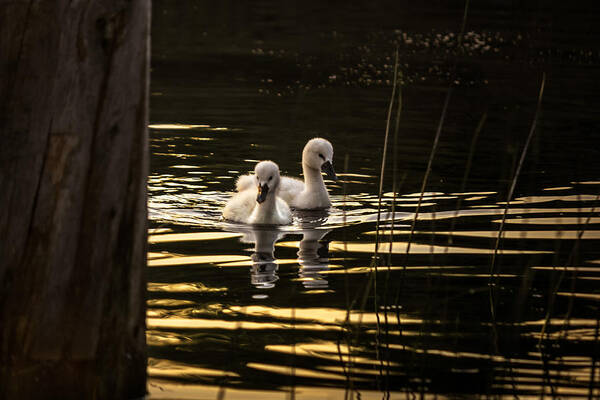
<point x="492" y="279"/>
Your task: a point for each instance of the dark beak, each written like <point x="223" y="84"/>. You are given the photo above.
<point x="327" y="167"/>
<point x="262" y="193"/>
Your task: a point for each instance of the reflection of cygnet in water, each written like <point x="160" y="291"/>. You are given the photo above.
<point x="264" y="267"/>
<point x="313" y="257"/>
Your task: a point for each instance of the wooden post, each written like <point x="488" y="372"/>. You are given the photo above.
<point x="73" y="167"/>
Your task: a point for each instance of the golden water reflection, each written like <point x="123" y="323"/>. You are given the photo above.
<point x="416" y="248"/>
<point x="176" y="126"/>
<point x="538" y="234"/>
<point x="167" y="368"/>
<point x="327" y="351"/>
<point x="216" y="324"/>
<point x="183" y="287"/>
<point x="161" y="338"/>
<point x="192" y="236"/>
<point x="162" y="389"/>
<point x="296" y="371"/>
<point x="170" y="259"/>
<point x="553" y="221"/>
<point x="323" y="315"/>
<point x="384" y="269"/>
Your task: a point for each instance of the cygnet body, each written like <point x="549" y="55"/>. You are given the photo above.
<point x="259" y="203"/>
<point x="311" y="194"/>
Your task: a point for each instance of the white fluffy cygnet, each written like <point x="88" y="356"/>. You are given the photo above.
<point x="258" y="202"/>
<point x="311" y="194"/>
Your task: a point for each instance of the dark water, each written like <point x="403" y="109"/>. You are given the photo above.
<point x="307" y="311"/>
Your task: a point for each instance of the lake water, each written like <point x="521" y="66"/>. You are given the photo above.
<point x="444" y="309"/>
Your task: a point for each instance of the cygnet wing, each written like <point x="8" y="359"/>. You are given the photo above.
<point x="239" y="207"/>
<point x="245" y="182"/>
<point x="289" y="188"/>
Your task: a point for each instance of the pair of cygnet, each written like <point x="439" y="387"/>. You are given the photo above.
<point x="265" y="197"/>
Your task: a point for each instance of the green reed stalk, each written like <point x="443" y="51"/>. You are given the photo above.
<point x="424" y="185"/>
<point x="437" y="134"/>
<point x="394" y="182"/>
<point x="381" y="175"/>
<point x="593" y="368"/>
<point x="570" y="263"/>
<point x="429" y="167"/>
<point x="391" y="241"/>
<point x="463" y="184"/>
<point x="574" y="277"/>
<point x="434" y="147"/>
<point x="293" y="372"/>
<point x="395" y="191"/>
<point x="383" y="158"/>
<point x="492" y="278"/>
<point x="375" y="261"/>
<point x="349" y="392"/>
<point x="513" y="185"/>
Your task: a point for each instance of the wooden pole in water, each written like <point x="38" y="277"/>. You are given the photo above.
<point x="73" y="167"/>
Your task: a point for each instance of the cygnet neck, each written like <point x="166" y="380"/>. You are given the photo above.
<point x="313" y="180"/>
<point x="265" y="209"/>
<point x="269" y="201"/>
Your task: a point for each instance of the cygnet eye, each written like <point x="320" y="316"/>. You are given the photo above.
<point x="271" y="177"/>
<point x="322" y="156"/>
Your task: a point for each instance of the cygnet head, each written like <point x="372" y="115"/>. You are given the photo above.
<point x="267" y="179"/>
<point x="318" y="154"/>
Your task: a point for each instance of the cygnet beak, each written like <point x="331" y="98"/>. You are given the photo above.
<point x="262" y="193"/>
<point x="327" y="167"/>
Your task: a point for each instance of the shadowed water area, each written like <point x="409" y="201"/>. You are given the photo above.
<point x="457" y="290"/>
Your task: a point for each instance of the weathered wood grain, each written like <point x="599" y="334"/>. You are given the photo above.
<point x="73" y="167"/>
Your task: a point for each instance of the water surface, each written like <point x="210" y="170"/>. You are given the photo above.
<point x="435" y="300"/>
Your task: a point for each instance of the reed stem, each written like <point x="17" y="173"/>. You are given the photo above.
<point x="511" y="192"/>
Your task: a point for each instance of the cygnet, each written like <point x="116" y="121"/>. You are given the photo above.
<point x="259" y="203"/>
